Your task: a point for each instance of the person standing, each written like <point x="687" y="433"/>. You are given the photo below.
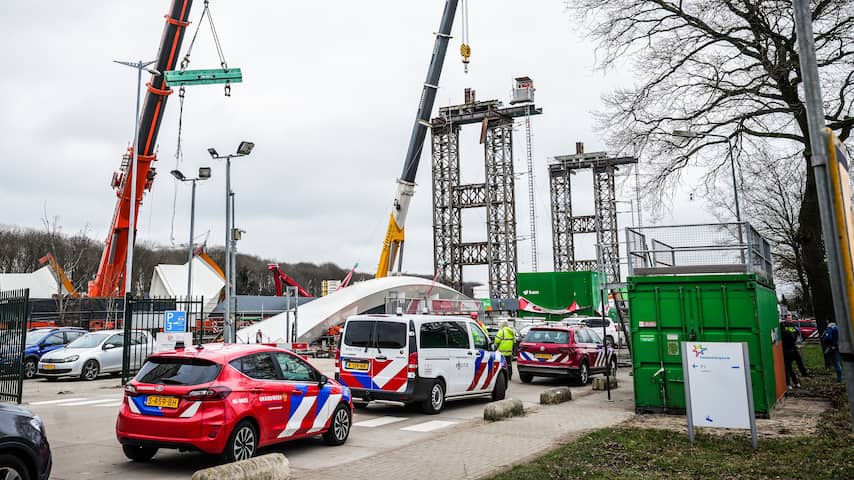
<point x="259" y="337"/>
<point x="830" y="342"/>
<point x="795" y="332"/>
<point x="790" y="351"/>
<point x="504" y="340"/>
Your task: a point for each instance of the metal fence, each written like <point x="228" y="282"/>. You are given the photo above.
<point x="146" y="317"/>
<point x="14" y="315"/>
<point x="700" y="248"/>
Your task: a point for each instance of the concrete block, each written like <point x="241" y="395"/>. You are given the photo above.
<point x="600" y="383"/>
<point x="503" y="409"/>
<point x="555" y="395"/>
<point x="273" y="466"/>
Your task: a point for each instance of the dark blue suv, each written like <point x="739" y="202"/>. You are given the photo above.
<point x="24" y="449"/>
<point x="43" y="340"/>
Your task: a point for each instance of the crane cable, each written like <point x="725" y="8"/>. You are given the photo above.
<point x="465" y="48"/>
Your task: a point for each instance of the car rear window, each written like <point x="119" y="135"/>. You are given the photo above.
<point x="359" y="333"/>
<point x="178" y="371"/>
<point x="376" y="334"/>
<point x="391" y="335"/>
<point x="595" y="322"/>
<point x="547" y="336"/>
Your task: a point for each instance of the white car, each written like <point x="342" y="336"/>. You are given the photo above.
<point x="95" y="353"/>
<point x="613" y="335"/>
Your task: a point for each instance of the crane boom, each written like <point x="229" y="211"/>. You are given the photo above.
<point x="111" y="270"/>
<point x="393" y="243"/>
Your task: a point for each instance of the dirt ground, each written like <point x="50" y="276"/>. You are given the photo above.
<point x="793" y="417"/>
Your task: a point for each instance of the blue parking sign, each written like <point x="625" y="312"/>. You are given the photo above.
<point x="174" y="321"/>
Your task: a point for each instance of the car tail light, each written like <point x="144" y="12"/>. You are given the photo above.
<point x="130" y="390"/>
<point x="337" y="359"/>
<point x="211" y="393"/>
<point x="412" y="368"/>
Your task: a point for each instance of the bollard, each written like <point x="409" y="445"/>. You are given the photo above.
<point x="555" y="395"/>
<point x="600" y="383"/>
<point x="503" y="409"/>
<point x="273" y="466"/>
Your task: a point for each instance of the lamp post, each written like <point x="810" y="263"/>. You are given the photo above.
<point x="204" y="174"/>
<point x="139" y="66"/>
<point x="690" y="134"/>
<point x="244" y="149"/>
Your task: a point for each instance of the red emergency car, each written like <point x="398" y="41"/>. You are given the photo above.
<point x="229" y="400"/>
<point x="575" y="352"/>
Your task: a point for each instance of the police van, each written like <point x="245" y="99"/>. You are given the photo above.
<point x="423" y="359"/>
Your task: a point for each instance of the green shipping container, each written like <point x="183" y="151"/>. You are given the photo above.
<point x="667" y="310"/>
<point x="556" y="291"/>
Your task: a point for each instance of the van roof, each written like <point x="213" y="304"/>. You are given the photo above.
<point x="407" y="317"/>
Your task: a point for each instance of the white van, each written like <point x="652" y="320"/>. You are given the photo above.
<point x="422" y="359"/>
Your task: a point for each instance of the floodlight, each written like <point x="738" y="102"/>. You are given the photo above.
<point x="177" y="174"/>
<point x="213" y="153"/>
<point x="204" y="173"/>
<point x="245" y="148"/>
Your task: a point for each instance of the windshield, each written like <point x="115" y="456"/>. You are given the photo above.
<point x="547" y="336"/>
<point x="178" y="371"/>
<point x="89" y="340"/>
<point x="33" y="338"/>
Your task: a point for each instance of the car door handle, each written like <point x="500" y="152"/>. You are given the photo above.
<point x="297" y="392"/>
<point x="255" y="390"/>
<point x="469" y="353"/>
<point x="381" y="358"/>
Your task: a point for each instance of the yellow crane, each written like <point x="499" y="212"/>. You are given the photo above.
<point x="60" y="274"/>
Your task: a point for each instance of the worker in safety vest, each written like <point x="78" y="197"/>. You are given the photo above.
<point x="504" y="340"/>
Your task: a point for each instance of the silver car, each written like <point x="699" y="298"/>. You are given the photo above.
<point x="95" y="353"/>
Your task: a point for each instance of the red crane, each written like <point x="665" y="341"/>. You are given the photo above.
<point x="111" y="271"/>
<point x="280" y="277"/>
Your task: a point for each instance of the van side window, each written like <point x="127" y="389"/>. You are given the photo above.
<point x="391" y="335"/>
<point x="359" y="333"/>
<point x="457" y="335"/>
<point x="433" y="335"/>
<point x="481" y="342"/>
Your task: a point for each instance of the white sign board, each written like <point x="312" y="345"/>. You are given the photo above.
<point x="718" y="389"/>
<point x="166" y="341"/>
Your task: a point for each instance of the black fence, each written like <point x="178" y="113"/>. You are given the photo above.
<point x="91" y="314"/>
<point x="14" y="316"/>
<point x="146" y="317"/>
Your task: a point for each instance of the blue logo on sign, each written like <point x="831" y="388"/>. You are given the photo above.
<point x="175" y="321"/>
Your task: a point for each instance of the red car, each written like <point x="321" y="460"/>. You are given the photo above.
<point x="807" y="327"/>
<point x="229" y="400"/>
<point x="575" y="352"/>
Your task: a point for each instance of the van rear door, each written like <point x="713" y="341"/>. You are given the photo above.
<point x="356" y="354"/>
<point x="391" y="344"/>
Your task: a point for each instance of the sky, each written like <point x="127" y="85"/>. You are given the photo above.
<point x="329" y="95"/>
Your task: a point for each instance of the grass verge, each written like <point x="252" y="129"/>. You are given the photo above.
<point x="639" y="453"/>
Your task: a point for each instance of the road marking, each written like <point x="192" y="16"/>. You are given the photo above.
<point x="378" y="422"/>
<point x="51" y="402"/>
<point x="429" y="426"/>
<point x="89" y="402"/>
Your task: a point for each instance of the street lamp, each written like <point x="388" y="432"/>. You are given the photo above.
<point x="204" y="174"/>
<point x="245" y="148"/>
<point x="690" y="134"/>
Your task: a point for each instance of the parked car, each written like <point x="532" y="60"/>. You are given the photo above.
<point x="24" y="449"/>
<point x="43" y="340"/>
<point x="613" y="335"/>
<point x="423" y="359"/>
<point x="229" y="400"/>
<point x="573" y="352"/>
<point x="808" y="328"/>
<point x="93" y="354"/>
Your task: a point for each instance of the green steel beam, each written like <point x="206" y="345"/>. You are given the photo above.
<point x="203" y="77"/>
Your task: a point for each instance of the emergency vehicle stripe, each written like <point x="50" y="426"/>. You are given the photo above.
<point x="480" y="367"/>
<point x="298" y="414"/>
<point x="494" y="367"/>
<point x="188" y="413"/>
<point x="322" y="417"/>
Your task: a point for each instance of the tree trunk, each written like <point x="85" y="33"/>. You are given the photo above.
<point x="812" y="247"/>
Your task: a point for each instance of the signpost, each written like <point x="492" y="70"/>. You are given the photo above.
<point x="718" y="389"/>
<point x="174" y="321"/>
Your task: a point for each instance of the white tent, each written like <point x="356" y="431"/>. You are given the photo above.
<point x="170" y="281"/>
<point x="42" y="282"/>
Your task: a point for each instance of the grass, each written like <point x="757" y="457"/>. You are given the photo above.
<point x="639" y="453"/>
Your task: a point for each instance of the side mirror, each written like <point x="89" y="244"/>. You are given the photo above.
<point x="109" y="346"/>
<point x="323" y="380"/>
<point x="493" y="347"/>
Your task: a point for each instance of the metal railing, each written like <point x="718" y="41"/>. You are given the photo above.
<point x="14" y="315"/>
<point x="698" y="248"/>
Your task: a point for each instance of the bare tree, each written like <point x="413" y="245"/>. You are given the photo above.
<point x="67" y="254"/>
<point x="729" y="68"/>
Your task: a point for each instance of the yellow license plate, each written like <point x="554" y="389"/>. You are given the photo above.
<point x="544" y="356"/>
<point x="49" y="366"/>
<point x="160" y="401"/>
<point x="361" y="366"/>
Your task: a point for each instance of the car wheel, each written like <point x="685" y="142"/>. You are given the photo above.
<point x="90" y="371"/>
<point x="500" y="388"/>
<point x="526" y="377"/>
<point x="138" y="453"/>
<point x="583" y="374"/>
<point x="30" y="368"/>
<point x="11" y="468"/>
<point x="436" y="402"/>
<point x="339" y="429"/>
<point x="242" y="443"/>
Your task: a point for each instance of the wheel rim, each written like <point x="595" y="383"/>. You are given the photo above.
<point x="583" y="373"/>
<point x="91" y="371"/>
<point x="8" y="473"/>
<point x="342" y="424"/>
<point x="244" y="444"/>
<point x="29" y="370"/>
<point x="436" y="397"/>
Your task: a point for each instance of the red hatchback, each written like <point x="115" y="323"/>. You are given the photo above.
<point x="229" y="400"/>
<point x="575" y="352"/>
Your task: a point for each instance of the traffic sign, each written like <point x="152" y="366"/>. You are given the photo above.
<point x="175" y="321"/>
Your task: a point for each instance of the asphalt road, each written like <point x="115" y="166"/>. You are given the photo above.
<point x="80" y="420"/>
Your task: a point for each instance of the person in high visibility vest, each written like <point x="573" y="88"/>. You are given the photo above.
<point x="504" y="340"/>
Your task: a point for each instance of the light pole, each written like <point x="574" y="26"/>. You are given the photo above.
<point x="690" y="134"/>
<point x="245" y="148"/>
<point x="204" y="174"/>
<point x="139" y="66"/>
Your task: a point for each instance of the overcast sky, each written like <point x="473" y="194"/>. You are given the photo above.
<point x="329" y="95"/>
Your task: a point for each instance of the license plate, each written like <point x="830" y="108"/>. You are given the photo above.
<point x="361" y="366"/>
<point x="49" y="366"/>
<point x="160" y="401"/>
<point x="544" y="356"/>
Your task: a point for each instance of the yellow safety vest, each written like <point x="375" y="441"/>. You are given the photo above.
<point x="504" y="339"/>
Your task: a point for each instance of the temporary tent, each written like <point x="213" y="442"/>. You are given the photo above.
<point x="42" y="283"/>
<point x="170" y="281"/>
